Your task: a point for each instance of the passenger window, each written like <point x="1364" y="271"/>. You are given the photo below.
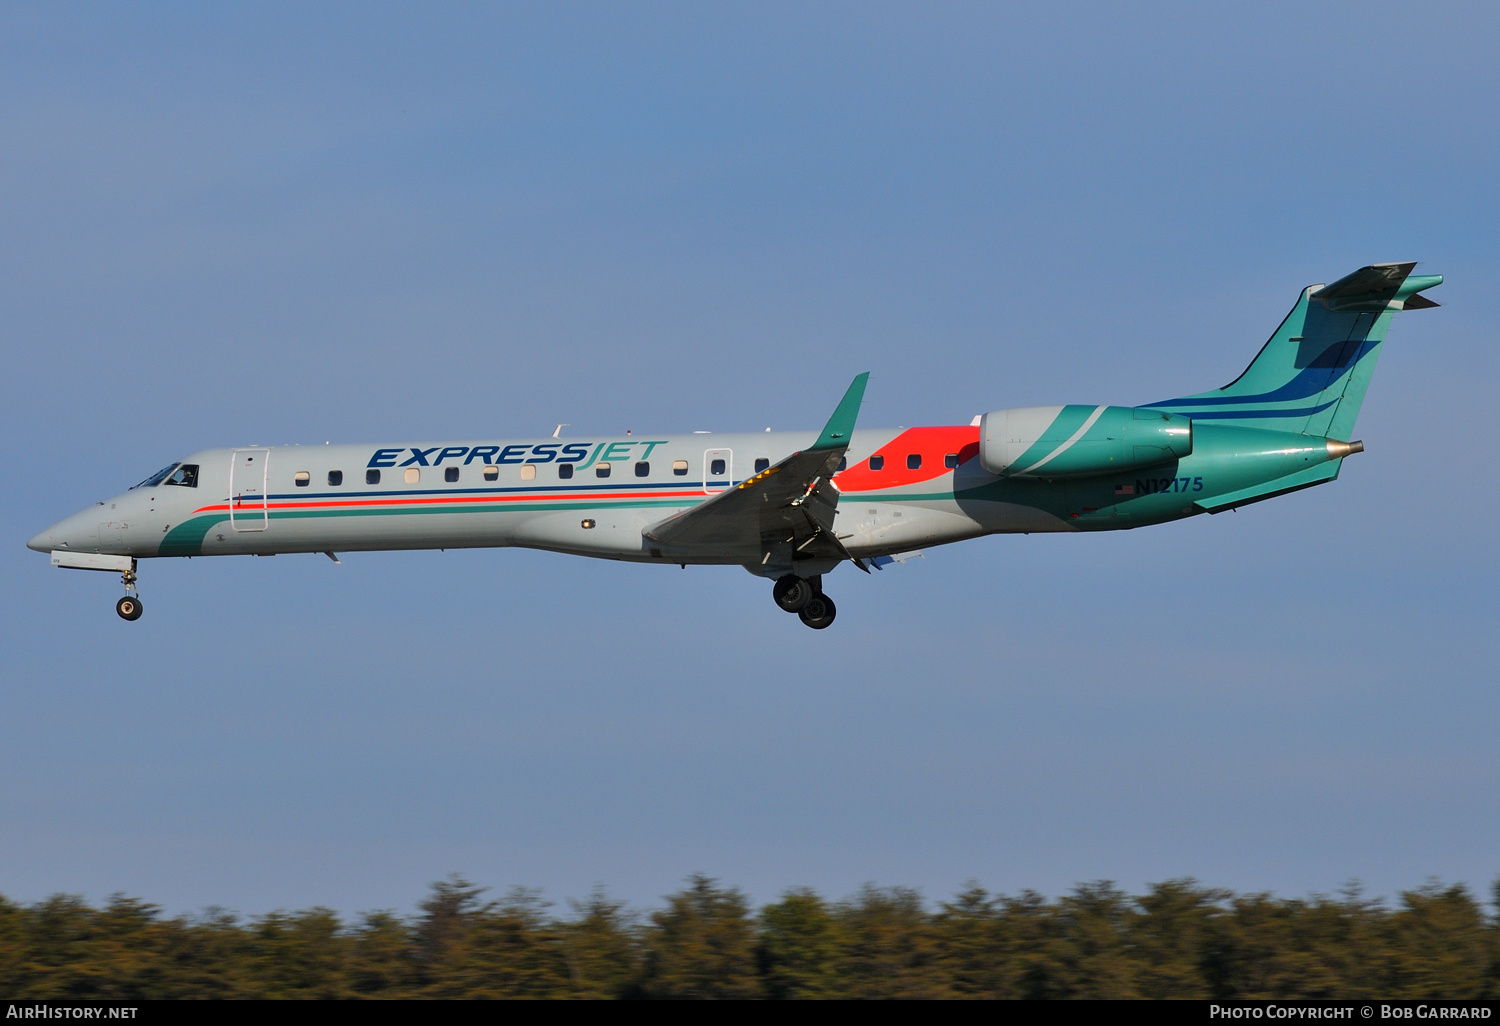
<point x="186" y="476"/>
<point x="951" y="460"/>
<point x="679" y="467"/>
<point x="491" y="473"/>
<point x="602" y="470"/>
<point x="716" y="468"/>
<point x="413" y="475"/>
<point x="914" y="461"/>
<point x="450" y="474"/>
<point x="643" y="469"/>
<point x="335" y="478"/>
<point x="302" y="479"/>
<point x="564" y="471"/>
<point x="877" y="462"/>
<point x="528" y="472"/>
<point x="762" y="464"/>
<point x="372" y="477"/>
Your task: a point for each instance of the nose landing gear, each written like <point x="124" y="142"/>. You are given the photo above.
<point x="129" y="607"/>
<point x="804" y="596"/>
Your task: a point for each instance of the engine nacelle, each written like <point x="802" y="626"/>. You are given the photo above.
<point x="1080" y="441"/>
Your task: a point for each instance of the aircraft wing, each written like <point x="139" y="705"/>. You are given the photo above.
<point x="793" y="501"/>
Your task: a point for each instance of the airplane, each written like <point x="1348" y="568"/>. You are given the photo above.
<point x="787" y="506"/>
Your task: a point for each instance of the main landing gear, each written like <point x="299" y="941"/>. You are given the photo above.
<point x="804" y="596"/>
<point x="129" y="607"/>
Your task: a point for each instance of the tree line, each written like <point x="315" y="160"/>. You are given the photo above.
<point x="1178" y="940"/>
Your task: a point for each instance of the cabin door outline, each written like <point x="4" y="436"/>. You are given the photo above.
<point x="249" y="478"/>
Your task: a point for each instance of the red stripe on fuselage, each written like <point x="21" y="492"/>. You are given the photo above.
<point x="433" y="499"/>
<point x="932" y="444"/>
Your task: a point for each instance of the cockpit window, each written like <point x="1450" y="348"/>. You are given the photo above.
<point x="185" y="475"/>
<point x="157" y="478"/>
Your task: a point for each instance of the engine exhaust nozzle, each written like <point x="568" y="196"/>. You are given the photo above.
<point x="1338" y="449"/>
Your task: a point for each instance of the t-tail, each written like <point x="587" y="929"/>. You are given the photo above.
<point x="1310" y="378"/>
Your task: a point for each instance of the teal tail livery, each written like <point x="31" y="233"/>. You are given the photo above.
<point x="790" y="507"/>
<point x="1310" y="378"/>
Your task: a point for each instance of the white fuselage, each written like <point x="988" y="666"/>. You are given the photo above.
<point x="592" y="497"/>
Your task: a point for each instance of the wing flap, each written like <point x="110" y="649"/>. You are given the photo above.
<point x="792" y="501"/>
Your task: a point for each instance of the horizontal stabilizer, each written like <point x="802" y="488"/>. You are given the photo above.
<point x="1374" y="287"/>
<point x="1368" y="280"/>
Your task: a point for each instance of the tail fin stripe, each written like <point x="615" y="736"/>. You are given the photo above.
<point x="1307" y="411"/>
<point x="1310" y="381"/>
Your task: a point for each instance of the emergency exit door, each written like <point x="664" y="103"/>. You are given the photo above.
<point x="718" y="470"/>
<point x="249" y="476"/>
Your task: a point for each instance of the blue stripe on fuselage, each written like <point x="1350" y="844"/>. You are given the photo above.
<point x="559" y="487"/>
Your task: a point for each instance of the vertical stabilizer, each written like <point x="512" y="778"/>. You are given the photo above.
<point x="1310" y="378"/>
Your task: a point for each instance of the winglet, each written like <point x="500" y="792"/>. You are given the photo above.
<point x="840" y="426"/>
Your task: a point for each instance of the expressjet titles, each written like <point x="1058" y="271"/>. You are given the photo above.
<point x="572" y="452"/>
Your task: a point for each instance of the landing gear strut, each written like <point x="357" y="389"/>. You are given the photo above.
<point x="129" y="607"/>
<point x="804" y="596"/>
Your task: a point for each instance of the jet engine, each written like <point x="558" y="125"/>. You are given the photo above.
<point x="1080" y="441"/>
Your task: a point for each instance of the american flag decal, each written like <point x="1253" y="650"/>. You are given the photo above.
<point x="1126" y="489"/>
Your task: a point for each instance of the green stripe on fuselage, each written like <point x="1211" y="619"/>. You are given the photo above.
<point x="186" y="539"/>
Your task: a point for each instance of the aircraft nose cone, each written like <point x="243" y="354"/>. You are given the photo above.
<point x="67" y="533"/>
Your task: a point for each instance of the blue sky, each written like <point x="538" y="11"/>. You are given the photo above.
<point x="272" y="224"/>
